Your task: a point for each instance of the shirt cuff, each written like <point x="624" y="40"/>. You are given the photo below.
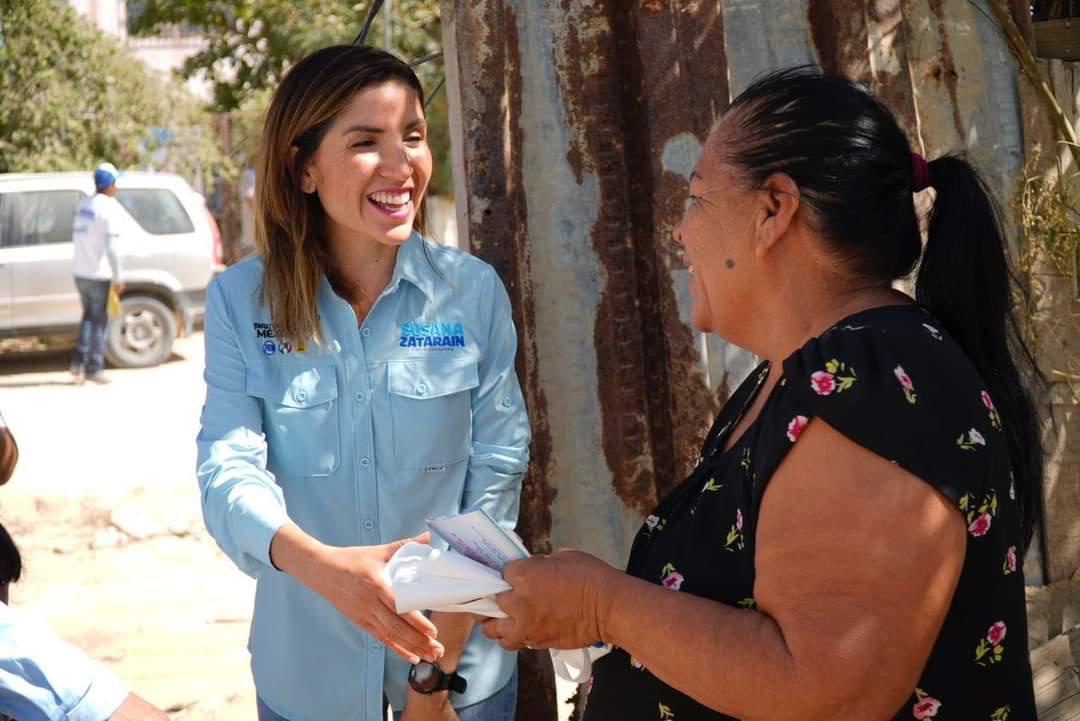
<point x="104" y="696"/>
<point x="256" y="525"/>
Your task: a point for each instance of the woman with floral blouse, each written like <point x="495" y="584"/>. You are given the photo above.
<point x="850" y="543"/>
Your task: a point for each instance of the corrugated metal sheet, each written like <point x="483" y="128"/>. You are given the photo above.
<point x="576" y="124"/>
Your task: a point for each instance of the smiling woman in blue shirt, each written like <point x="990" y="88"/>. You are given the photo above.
<point x="360" y="380"/>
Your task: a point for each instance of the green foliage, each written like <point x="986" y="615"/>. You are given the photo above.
<point x="73" y="98"/>
<point x="252" y="43"/>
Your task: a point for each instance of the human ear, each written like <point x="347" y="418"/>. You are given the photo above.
<point x="779" y="203"/>
<point x="307" y="182"/>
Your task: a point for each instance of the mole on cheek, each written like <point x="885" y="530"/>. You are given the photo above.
<point x="729" y="263"/>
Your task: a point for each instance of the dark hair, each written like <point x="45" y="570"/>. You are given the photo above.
<point x="289" y="224"/>
<point x="853" y="166"/>
<point x="10" y="560"/>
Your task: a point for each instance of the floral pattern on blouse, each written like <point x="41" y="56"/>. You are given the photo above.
<point x="836" y="378"/>
<point x="926" y="706"/>
<point x="995" y="417"/>
<point x="990" y="649"/>
<point x="912" y="380"/>
<point x="906" y="384"/>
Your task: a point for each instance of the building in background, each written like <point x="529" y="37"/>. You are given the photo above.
<point x="164" y="53"/>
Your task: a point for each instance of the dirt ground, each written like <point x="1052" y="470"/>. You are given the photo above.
<point x="104" y="506"/>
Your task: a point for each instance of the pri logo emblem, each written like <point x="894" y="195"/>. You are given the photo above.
<point x="269" y="348"/>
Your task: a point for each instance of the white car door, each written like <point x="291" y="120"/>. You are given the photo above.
<point x="36" y="228"/>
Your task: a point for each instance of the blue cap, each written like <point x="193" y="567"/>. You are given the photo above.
<point x="105" y="176"/>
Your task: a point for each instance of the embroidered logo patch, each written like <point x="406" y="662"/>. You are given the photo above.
<point x="432" y="336"/>
<point x="263" y="330"/>
<point x="266" y="330"/>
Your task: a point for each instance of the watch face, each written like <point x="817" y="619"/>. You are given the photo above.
<point x="425" y="677"/>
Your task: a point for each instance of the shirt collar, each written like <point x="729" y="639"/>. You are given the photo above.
<point x="414" y="265"/>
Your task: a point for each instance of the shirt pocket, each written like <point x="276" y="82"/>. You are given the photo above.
<point x="431" y="410"/>
<point x="300" y="418"/>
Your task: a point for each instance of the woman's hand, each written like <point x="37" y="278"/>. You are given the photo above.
<point x="353" y="580"/>
<point x="556" y="601"/>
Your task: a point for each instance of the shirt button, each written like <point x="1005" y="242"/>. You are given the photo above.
<point x="369" y="524"/>
<point x="507" y="402"/>
<point x="421" y="389"/>
<point x="365" y="462"/>
<point x="365" y="332"/>
<point x="360" y="396"/>
<point x="376" y="647"/>
<point x="301" y="395"/>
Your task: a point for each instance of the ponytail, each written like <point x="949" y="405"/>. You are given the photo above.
<point x="964" y="279"/>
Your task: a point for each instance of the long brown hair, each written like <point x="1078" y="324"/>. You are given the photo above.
<point x="289" y="224"/>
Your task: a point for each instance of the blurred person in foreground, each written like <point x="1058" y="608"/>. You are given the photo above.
<point x="41" y="677"/>
<point x="850" y="543"/>
<point x="98" y="223"/>
<point x="360" y="380"/>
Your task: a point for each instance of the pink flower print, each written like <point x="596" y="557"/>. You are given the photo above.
<point x="796" y="427"/>
<point x="823" y="383"/>
<point x="926" y="708"/>
<point x="673" y="581"/>
<point x="905" y="383"/>
<point x="995" y="417"/>
<point x="670" y="578"/>
<point x="738" y="518"/>
<point x="980" y="525"/>
<point x="996" y="634"/>
<point x="1010" y="560"/>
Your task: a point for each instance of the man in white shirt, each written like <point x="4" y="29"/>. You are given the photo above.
<point x="98" y="222"/>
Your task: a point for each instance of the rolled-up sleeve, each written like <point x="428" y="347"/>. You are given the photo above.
<point x="42" y="678"/>
<point x="242" y="505"/>
<point x="500" y="447"/>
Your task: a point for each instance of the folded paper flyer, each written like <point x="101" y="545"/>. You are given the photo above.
<point x="476" y="535"/>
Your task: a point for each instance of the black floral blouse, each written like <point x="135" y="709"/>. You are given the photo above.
<point x="893" y="381"/>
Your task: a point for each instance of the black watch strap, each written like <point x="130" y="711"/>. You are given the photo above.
<point x="428" y="678"/>
<point x="456" y="682"/>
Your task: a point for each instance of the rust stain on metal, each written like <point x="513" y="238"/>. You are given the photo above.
<point x="491" y="87"/>
<point x="592" y="104"/>
<point x="680" y="403"/>
<point x="838" y="29"/>
<point x="945" y="70"/>
<point x="499" y="234"/>
<point x="892" y="76"/>
<point x="654" y="403"/>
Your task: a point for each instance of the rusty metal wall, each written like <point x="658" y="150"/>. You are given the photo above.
<point x="576" y="124"/>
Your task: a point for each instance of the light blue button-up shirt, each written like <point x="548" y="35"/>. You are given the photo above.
<point x="415" y="414"/>
<point x="44" y="679"/>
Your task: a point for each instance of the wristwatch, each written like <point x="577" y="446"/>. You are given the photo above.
<point x="428" y="678"/>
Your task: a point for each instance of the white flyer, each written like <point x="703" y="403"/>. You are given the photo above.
<point x="476" y="535"/>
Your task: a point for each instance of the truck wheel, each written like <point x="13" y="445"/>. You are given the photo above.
<point x="142" y="335"/>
